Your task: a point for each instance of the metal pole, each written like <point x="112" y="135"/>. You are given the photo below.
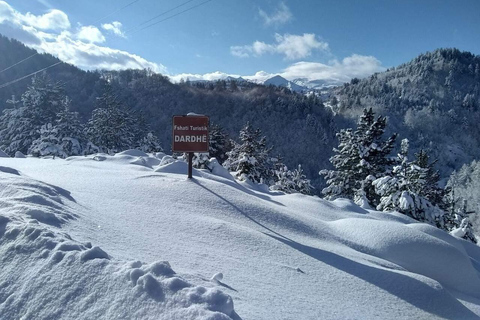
<point x="190" y="164"/>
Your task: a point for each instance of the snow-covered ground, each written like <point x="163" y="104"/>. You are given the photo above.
<point x="90" y="237"/>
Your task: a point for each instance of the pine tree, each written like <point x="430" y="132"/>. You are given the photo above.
<point x="219" y="144"/>
<point x="431" y="191"/>
<point x="291" y="181"/>
<point x="111" y="127"/>
<point x="456" y="218"/>
<point x="300" y="182"/>
<point x="282" y="179"/>
<point x="402" y="191"/>
<point x="20" y="126"/>
<point x="13" y="133"/>
<point x="48" y="144"/>
<point x="70" y="131"/>
<point x="361" y="157"/>
<point x="149" y="144"/>
<point x="249" y="160"/>
<point x="199" y="160"/>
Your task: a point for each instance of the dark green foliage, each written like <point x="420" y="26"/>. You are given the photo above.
<point x="433" y="100"/>
<point x="20" y="125"/>
<point x="111" y="128"/>
<point x="219" y="144"/>
<point x="361" y="157"/>
<point x="250" y="159"/>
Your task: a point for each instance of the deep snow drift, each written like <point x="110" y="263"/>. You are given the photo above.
<point x="90" y="237"/>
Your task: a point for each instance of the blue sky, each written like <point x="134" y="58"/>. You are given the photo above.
<point x="307" y="38"/>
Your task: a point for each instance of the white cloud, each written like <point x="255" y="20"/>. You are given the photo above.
<point x="49" y="33"/>
<point x="240" y="51"/>
<point x="280" y="16"/>
<point x="293" y="47"/>
<point x="354" y="66"/>
<point x="115" y="27"/>
<point x="90" y="34"/>
<point x="53" y="20"/>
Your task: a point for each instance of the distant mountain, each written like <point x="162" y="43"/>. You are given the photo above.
<point x="316" y="84"/>
<point x="282" y="82"/>
<point x="433" y="100"/>
<point x="239" y="79"/>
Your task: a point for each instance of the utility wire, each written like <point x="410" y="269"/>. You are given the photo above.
<point x="143" y="23"/>
<point x="159" y="15"/>
<point x="29" y="75"/>
<point x="152" y="24"/>
<point x="13" y="65"/>
<point x="115" y="11"/>
<point x="37" y="53"/>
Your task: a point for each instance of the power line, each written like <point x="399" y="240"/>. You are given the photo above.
<point x="152" y="24"/>
<point x="159" y="15"/>
<point x="115" y="11"/>
<point x="111" y="13"/>
<point x="13" y="65"/>
<point x="29" y="75"/>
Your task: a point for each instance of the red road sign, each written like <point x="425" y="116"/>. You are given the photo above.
<point x="190" y="134"/>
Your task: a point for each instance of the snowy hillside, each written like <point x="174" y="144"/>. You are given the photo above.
<point x="282" y="82"/>
<point x="90" y="237"/>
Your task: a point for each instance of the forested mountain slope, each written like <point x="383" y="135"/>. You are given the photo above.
<point x="432" y="100"/>
<point x="299" y="128"/>
<point x="81" y="86"/>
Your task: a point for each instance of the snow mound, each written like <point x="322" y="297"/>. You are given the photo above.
<point x="349" y="205"/>
<point x="46" y="274"/>
<point x="33" y="199"/>
<point x="20" y="155"/>
<point x="176" y="167"/>
<point x="417" y="251"/>
<point x="133" y="153"/>
<point x="147" y="161"/>
<point x="3" y="154"/>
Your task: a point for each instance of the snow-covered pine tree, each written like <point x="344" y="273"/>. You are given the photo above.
<point x="402" y="191"/>
<point x="219" y="144"/>
<point x="149" y="144"/>
<point x="341" y="181"/>
<point x="20" y="126"/>
<point x="300" y="182"/>
<point x="145" y="139"/>
<point x="199" y="160"/>
<point x="70" y="131"/>
<point x="457" y="217"/>
<point x="111" y="127"/>
<point x="282" y="179"/>
<point x="291" y="181"/>
<point x="48" y="144"/>
<point x="12" y="125"/>
<point x="462" y="226"/>
<point x="431" y="191"/>
<point x="361" y="157"/>
<point x="249" y="160"/>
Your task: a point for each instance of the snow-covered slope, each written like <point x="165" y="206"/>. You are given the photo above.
<point x="279" y="81"/>
<point x="317" y="84"/>
<point x="90" y="237"/>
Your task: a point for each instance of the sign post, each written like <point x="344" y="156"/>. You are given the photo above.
<point x="190" y="134"/>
